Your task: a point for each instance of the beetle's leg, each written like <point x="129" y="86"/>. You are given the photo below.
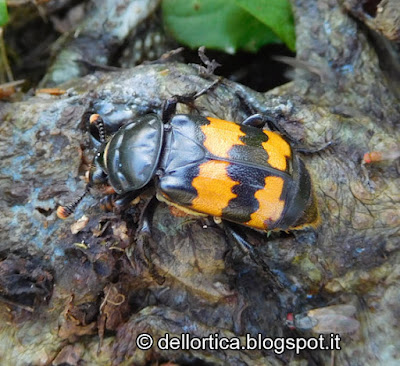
<point x="138" y="254"/>
<point x="146" y="217"/>
<point x="119" y="202"/>
<point x="143" y="232"/>
<point x="259" y="121"/>
<point x="107" y="202"/>
<point x="168" y="109"/>
<point x="97" y="175"/>
<point x="124" y="201"/>
<point x="274" y="125"/>
<point x="255" y="120"/>
<point x="308" y="151"/>
<point x="237" y="235"/>
<point x="207" y="88"/>
<point x="169" y="106"/>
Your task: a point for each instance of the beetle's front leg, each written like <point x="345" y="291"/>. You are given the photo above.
<point x="168" y="109"/>
<point x="146" y="218"/>
<point x="138" y="254"/>
<point x="169" y="106"/>
<point x="118" y="203"/>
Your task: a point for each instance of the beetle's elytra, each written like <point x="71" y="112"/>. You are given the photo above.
<point x="209" y="166"/>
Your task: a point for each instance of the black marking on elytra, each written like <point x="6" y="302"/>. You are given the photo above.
<point x="252" y="150"/>
<point x="250" y="181"/>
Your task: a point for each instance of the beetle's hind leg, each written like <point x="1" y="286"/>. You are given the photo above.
<point x="236" y="235"/>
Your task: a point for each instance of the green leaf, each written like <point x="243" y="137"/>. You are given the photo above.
<point x="276" y="14"/>
<point x="218" y="24"/>
<point x="3" y="13"/>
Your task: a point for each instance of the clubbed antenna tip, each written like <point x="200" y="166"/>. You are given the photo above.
<point x="97" y="121"/>
<point x="65" y="211"/>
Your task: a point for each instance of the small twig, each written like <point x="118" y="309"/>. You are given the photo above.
<point x="4" y="59"/>
<point x="166" y="56"/>
<point x="324" y="72"/>
<point x="12" y="83"/>
<point x="210" y="65"/>
<point x="95" y="66"/>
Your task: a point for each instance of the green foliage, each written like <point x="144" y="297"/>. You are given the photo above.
<point x="3" y="13"/>
<point x="276" y="14"/>
<point x="229" y="25"/>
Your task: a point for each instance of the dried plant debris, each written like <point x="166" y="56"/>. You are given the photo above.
<point x="25" y="282"/>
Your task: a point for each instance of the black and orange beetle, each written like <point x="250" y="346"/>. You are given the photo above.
<point x="207" y="166"/>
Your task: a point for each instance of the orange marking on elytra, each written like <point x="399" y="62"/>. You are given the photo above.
<point x="278" y="150"/>
<point x="270" y="205"/>
<point x="221" y="136"/>
<point x="214" y="188"/>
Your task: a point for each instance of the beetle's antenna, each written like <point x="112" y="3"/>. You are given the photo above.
<point x="96" y="120"/>
<point x="65" y="211"/>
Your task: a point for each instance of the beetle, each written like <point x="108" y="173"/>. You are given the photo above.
<point x="242" y="173"/>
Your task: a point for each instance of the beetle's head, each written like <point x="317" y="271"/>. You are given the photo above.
<point x="97" y="173"/>
<point x="127" y="162"/>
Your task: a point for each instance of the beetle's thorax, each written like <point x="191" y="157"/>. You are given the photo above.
<point x="131" y="156"/>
